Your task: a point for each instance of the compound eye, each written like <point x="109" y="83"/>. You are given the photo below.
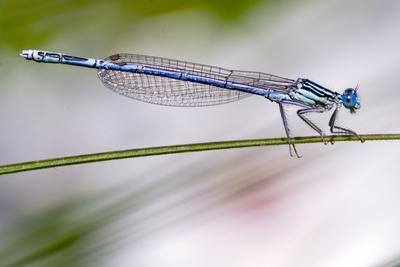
<point x="349" y="91"/>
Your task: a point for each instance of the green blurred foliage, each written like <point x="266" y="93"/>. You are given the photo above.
<point x="46" y="239"/>
<point x="33" y="22"/>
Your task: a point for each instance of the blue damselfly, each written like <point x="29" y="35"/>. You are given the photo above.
<point x="178" y="83"/>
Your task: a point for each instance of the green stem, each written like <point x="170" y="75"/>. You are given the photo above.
<point x="151" y="151"/>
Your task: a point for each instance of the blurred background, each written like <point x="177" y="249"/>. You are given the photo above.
<point x="336" y="206"/>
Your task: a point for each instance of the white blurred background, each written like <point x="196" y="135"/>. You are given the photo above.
<point x="336" y="206"/>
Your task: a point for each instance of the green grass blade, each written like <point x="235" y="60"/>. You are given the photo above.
<point x="161" y="150"/>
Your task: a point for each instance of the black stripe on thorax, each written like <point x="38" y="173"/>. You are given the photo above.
<point x="317" y="89"/>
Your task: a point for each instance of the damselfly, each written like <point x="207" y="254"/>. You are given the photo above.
<point x="178" y="83"/>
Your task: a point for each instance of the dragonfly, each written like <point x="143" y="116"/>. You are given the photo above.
<point x="171" y="82"/>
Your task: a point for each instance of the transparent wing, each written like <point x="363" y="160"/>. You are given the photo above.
<point x="174" y="92"/>
<point x="262" y="80"/>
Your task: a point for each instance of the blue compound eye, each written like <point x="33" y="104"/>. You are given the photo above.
<point x="350" y="99"/>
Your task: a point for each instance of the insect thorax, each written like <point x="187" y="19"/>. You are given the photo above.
<point x="313" y="94"/>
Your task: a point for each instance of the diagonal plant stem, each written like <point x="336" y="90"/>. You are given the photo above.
<point x="161" y="150"/>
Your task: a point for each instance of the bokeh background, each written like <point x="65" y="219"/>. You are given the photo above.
<point x="336" y="206"/>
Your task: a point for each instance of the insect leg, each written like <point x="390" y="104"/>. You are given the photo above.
<point x="340" y="130"/>
<point x="287" y="130"/>
<point x="302" y="112"/>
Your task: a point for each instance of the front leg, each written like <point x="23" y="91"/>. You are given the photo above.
<point x="340" y="130"/>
